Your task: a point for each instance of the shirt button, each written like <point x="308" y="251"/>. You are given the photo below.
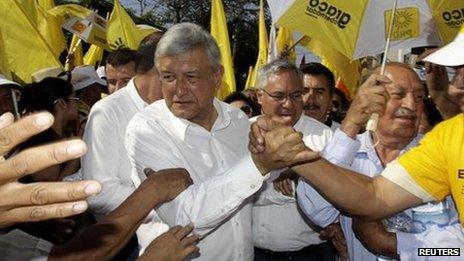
<point x="252" y="186"/>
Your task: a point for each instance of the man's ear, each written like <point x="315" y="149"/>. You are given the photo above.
<point x="259" y="96"/>
<point x="217" y="76"/>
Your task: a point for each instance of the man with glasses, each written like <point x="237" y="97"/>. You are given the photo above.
<point x="279" y="230"/>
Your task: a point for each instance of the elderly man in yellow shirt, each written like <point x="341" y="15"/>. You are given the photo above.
<point x="426" y="173"/>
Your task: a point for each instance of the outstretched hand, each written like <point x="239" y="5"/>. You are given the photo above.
<point x="42" y="200"/>
<point x="173" y="245"/>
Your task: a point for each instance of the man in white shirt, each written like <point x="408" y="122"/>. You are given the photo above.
<point x="106" y="160"/>
<point x="193" y="130"/>
<point x="280" y="232"/>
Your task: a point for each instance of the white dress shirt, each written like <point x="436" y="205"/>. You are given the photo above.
<point x="106" y="159"/>
<point x="221" y="168"/>
<point x="278" y="225"/>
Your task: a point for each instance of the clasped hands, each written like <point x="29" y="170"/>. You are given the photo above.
<point x="274" y="146"/>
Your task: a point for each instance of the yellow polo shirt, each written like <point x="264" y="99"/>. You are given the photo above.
<point x="435" y="168"/>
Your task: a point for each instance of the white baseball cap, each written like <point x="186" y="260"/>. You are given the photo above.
<point x="5" y="81"/>
<point x="451" y="54"/>
<point x="53" y="72"/>
<point x="84" y="76"/>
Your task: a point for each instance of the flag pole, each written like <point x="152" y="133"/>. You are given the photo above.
<point x="373" y="120"/>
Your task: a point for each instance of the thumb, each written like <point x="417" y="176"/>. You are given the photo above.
<point x="306" y="155"/>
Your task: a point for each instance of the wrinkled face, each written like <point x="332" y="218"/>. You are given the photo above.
<point x="317" y="96"/>
<point x="456" y="87"/>
<point x="405" y="105"/>
<point x="189" y="83"/>
<point x="118" y="77"/>
<point x="283" y="96"/>
<point x="6" y="100"/>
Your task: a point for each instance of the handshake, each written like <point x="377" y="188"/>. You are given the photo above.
<point x="275" y="146"/>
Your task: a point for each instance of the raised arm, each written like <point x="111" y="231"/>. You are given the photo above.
<point x="111" y="233"/>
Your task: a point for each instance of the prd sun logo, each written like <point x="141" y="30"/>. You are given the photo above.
<point x="406" y="23"/>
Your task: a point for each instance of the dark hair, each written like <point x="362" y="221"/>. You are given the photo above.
<point x="146" y="52"/>
<point x="121" y="56"/>
<point x="319" y="69"/>
<point x="238" y="96"/>
<point x="42" y="95"/>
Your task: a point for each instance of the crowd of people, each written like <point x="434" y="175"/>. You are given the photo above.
<point x="139" y="160"/>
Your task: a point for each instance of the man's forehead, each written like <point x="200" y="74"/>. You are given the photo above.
<point x="283" y="80"/>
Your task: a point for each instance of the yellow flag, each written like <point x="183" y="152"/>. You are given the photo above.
<point x="448" y="16"/>
<point x="94" y="55"/>
<point x="78" y="53"/>
<point x="122" y="31"/>
<point x="284" y="41"/>
<point x="342" y="67"/>
<point x="50" y="27"/>
<point x="249" y="77"/>
<point x="25" y="49"/>
<point x="3" y="61"/>
<point x="263" y="46"/>
<point x="221" y="35"/>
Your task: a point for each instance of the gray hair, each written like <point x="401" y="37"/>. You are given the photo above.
<point x="275" y="67"/>
<point x="185" y="37"/>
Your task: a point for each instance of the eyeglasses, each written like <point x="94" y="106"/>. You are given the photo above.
<point x="281" y="97"/>
<point x="246" y="109"/>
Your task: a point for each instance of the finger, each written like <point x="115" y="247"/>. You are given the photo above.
<point x="268" y="123"/>
<point x="6" y="120"/>
<point x="183" y="232"/>
<point x="289" y="187"/>
<point x="256" y="136"/>
<point x="42" y="193"/>
<point x="255" y="146"/>
<point x="23" y="129"/>
<point x="38" y="158"/>
<point x="189" y="250"/>
<point x="174" y="230"/>
<point x="190" y="240"/>
<point x="39" y="213"/>
<point x="148" y="172"/>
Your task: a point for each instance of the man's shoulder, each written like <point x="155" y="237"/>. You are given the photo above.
<point x="152" y="113"/>
<point x="117" y="99"/>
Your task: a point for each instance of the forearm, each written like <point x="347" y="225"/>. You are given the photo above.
<point x="343" y="188"/>
<point x="375" y="238"/>
<point x="104" y="239"/>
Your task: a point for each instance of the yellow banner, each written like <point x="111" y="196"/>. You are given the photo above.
<point x="336" y="21"/>
<point x="449" y="17"/>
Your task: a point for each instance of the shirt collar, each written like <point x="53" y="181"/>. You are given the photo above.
<point x="135" y="96"/>
<point x="368" y="147"/>
<point x="181" y="125"/>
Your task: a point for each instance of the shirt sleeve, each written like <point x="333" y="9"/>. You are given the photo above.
<point x="267" y="195"/>
<point x="105" y="146"/>
<point x="341" y="150"/>
<point x="206" y="204"/>
<point x="315" y="207"/>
